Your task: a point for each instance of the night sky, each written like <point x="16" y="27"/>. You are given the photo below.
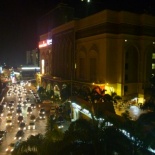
<point x="18" y="22"/>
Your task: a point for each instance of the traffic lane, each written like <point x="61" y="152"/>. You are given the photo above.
<point x="11" y="131"/>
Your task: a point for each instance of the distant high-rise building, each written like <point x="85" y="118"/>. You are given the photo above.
<point x="32" y="57"/>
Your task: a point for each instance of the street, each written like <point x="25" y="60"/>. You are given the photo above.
<point x="12" y="129"/>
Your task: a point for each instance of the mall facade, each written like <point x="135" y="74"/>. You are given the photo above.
<point x="114" y="51"/>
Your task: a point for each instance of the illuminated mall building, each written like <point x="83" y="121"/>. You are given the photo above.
<point x="109" y="49"/>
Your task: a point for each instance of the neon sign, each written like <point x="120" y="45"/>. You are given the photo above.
<point x="45" y="43"/>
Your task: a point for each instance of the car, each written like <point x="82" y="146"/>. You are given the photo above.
<point x="11" y="110"/>
<point x="3" y="132"/>
<point x="29" y="110"/>
<point x="8" y="93"/>
<point x="9" y="122"/>
<point x="31" y="125"/>
<point x="42" y="116"/>
<point x="10" y="147"/>
<point x="42" y="111"/>
<point x="2" y="135"/>
<point x="19" y="106"/>
<point x="10" y="105"/>
<point x="20" y="98"/>
<point x="25" y="103"/>
<point x="19" y="135"/>
<point x="33" y="106"/>
<point x="1" y="113"/>
<point x="4" y="104"/>
<point x="19" y="111"/>
<point x="12" y="102"/>
<point x="22" y="126"/>
<point x="33" y="118"/>
<point x="60" y="125"/>
<point x="20" y="119"/>
<point x="28" y="99"/>
<point x="19" y="103"/>
<point x="9" y="116"/>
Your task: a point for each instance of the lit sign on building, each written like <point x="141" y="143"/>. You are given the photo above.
<point x="45" y="43"/>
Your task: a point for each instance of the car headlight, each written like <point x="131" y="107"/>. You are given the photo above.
<point x="6" y="149"/>
<point x="11" y="150"/>
<point x="15" y="138"/>
<point x="19" y="137"/>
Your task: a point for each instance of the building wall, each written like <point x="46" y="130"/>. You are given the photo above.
<point x="109" y="48"/>
<point x="32" y="57"/>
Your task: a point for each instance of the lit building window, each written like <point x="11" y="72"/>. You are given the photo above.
<point x="153" y="55"/>
<point x="153" y="66"/>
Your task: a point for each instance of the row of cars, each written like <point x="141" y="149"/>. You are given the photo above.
<point x="15" y="113"/>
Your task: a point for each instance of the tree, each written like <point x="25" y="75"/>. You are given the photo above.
<point x="33" y="145"/>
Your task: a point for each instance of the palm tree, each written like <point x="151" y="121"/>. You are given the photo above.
<point x="32" y="145"/>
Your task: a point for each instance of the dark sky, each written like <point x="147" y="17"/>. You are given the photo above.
<point x="18" y="28"/>
<point x="18" y="22"/>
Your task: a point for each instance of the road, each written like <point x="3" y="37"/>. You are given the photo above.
<point x="12" y="130"/>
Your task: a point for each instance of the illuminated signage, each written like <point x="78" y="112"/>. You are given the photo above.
<point x="45" y="43"/>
